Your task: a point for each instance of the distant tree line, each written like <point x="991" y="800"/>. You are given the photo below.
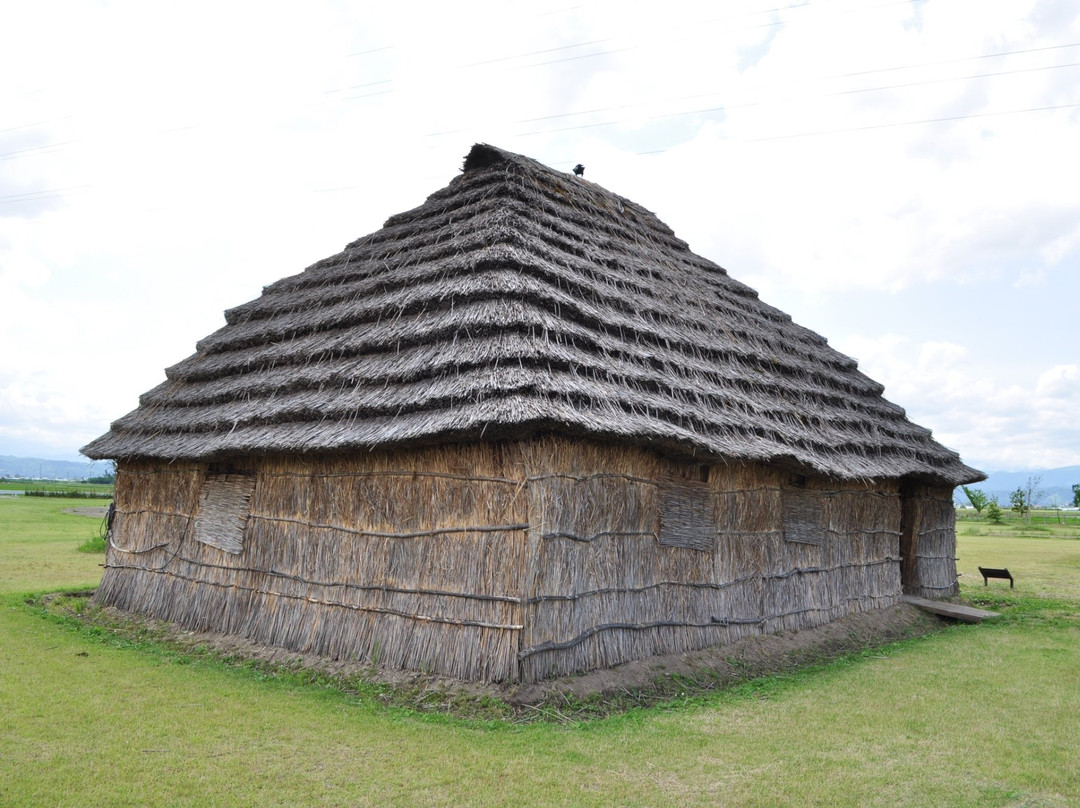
<point x="67" y="494"/>
<point x="1021" y="501"/>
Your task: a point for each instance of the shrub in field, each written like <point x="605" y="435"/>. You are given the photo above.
<point x="95" y="544"/>
<point x="69" y="494"/>
<point x="978" y="498"/>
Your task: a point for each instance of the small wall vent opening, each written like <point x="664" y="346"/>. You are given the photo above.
<point x="224" y="508"/>
<point x="687" y="516"/>
<point x="802" y="516"/>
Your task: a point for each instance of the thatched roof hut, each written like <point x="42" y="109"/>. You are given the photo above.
<point x="520" y="430"/>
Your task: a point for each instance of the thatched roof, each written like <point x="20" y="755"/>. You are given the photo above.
<point x="515" y="301"/>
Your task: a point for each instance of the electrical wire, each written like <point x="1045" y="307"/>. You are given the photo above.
<point x="621" y="116"/>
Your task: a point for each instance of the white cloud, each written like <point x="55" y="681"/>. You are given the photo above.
<point x="995" y="423"/>
<point x="1061" y="382"/>
<point x="1029" y="277"/>
<point x="185" y="156"/>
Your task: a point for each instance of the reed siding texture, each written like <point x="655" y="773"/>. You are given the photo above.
<point x="521" y="431"/>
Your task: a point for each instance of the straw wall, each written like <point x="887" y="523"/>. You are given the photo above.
<point x="410" y="560"/>
<point x="610" y="583"/>
<point x="929" y="542"/>
<point x="500" y="561"/>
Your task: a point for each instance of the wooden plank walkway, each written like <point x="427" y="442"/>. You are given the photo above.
<point x="957" y="611"/>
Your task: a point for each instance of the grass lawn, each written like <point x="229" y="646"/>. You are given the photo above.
<point x="985" y="715"/>
<point x="1043" y="557"/>
<point x="57" y="486"/>
<point x="39" y="542"/>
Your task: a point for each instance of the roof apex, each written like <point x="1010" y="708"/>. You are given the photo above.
<point x="481" y="155"/>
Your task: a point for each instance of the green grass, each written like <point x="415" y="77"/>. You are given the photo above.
<point x="981" y="715"/>
<point x="1043" y="559"/>
<point x="1040" y="519"/>
<point x="60" y="486"/>
<point x="39" y="543"/>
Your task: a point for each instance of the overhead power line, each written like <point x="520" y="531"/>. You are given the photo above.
<point x="956" y="78"/>
<point x="909" y="123"/>
<point x="721" y="106"/>
<point x="33" y="196"/>
<point x="48" y="147"/>
<point x="725" y="107"/>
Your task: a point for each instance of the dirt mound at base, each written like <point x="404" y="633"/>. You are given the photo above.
<point x="635" y="683"/>
<point x="89" y="510"/>
<point x="745" y="659"/>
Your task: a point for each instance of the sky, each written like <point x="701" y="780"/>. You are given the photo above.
<point x="901" y="176"/>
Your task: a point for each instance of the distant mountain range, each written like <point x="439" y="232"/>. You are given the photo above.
<point x="40" y="468"/>
<point x="1056" y="485"/>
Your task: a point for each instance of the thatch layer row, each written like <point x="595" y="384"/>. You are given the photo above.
<point x="519" y="301"/>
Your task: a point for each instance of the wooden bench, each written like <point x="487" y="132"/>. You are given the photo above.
<point x="990" y="572"/>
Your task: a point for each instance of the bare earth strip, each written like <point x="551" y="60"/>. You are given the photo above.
<point x="647" y="679"/>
